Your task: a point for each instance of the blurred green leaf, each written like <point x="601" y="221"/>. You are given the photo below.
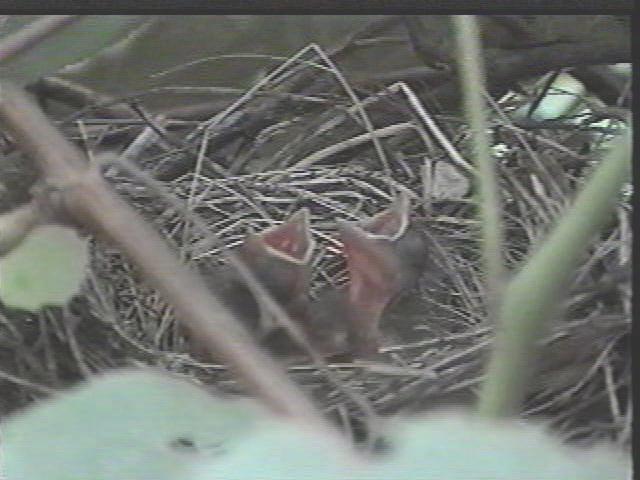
<point x="451" y="446"/>
<point x="78" y="41"/>
<point x="279" y="451"/>
<point x="458" y="446"/>
<point x="142" y="425"/>
<point x="133" y="425"/>
<point x="47" y="268"/>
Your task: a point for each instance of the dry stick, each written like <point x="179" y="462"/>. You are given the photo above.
<point x="429" y="122"/>
<point x="33" y="33"/>
<point x="87" y="199"/>
<point x="81" y="97"/>
<point x="320" y="155"/>
<point x="249" y="277"/>
<point x="26" y="383"/>
<point x="356" y="102"/>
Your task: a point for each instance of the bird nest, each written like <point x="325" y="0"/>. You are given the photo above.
<point x="275" y="152"/>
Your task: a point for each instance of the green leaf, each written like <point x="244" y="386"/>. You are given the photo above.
<point x="279" y="450"/>
<point x="132" y="425"/>
<point x="451" y="446"/>
<point x="47" y="268"/>
<point x="459" y="446"/>
<point x="143" y="425"/>
<point x="78" y="41"/>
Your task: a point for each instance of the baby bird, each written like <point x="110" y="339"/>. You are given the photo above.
<point x="279" y="259"/>
<point x="385" y="258"/>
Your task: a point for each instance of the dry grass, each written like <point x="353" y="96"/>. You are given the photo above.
<point x="250" y="180"/>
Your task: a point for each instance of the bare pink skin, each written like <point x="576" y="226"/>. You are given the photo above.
<point x="384" y="257"/>
<point x="279" y="258"/>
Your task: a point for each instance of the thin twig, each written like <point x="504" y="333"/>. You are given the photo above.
<point x="320" y="155"/>
<point x="249" y="277"/>
<point x="88" y="200"/>
<point x="26" y="383"/>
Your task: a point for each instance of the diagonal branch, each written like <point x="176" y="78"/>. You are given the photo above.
<point x="87" y="199"/>
<point x="32" y="34"/>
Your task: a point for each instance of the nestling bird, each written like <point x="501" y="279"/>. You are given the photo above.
<point x="279" y="259"/>
<point x="385" y="257"/>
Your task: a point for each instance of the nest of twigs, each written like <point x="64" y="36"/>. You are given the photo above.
<point x="286" y="146"/>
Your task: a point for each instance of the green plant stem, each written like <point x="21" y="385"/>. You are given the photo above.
<point x="531" y="298"/>
<point x="471" y="66"/>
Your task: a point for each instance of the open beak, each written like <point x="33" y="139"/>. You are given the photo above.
<point x="290" y="241"/>
<point x="391" y="223"/>
<point x="280" y="257"/>
<point x="375" y="270"/>
<point x="374" y="266"/>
